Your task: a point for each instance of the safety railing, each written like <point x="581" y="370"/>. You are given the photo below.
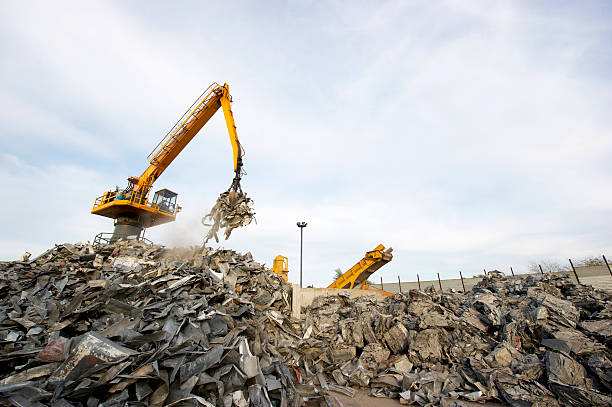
<point x="106" y="238"/>
<point x="191" y="113"/>
<point x="133" y="197"/>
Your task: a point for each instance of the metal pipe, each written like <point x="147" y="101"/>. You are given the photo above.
<point x="382" y="287"/>
<point x="439" y="282"/>
<point x="541" y="271"/>
<point x="512" y="271"/>
<point x="399" y="284"/>
<point x="607" y="265"/>
<point x="461" y="275"/>
<point x="574" y="270"/>
<point x="419" y="281"/>
<point x="301" y="225"/>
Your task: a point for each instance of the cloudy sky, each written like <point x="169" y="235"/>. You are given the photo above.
<point x="463" y="134"/>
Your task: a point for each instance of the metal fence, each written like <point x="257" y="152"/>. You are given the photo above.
<point x="599" y="276"/>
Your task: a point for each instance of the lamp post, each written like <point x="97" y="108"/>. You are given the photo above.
<point x="301" y="225"/>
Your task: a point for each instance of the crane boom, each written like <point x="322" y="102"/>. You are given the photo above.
<point x="362" y="270"/>
<point x="186" y="128"/>
<point x="131" y="208"/>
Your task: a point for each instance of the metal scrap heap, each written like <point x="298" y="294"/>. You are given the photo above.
<point x="535" y="341"/>
<point x="134" y="324"/>
<point x="232" y="209"/>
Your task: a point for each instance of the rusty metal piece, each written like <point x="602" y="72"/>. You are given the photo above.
<point x="607" y="265"/>
<point x="574" y="270"/>
<point x="55" y="351"/>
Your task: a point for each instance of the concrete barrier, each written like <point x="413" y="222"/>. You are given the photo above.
<point x="303" y="297"/>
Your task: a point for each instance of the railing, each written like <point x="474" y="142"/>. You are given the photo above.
<point x="133" y="197"/>
<point x="105" y="237"/>
<point x="183" y="122"/>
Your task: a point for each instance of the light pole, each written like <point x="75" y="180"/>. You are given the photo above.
<point x="301" y="225"/>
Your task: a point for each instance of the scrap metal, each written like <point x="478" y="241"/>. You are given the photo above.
<point x="233" y="209"/>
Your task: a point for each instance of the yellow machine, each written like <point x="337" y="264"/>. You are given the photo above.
<point x="281" y="267"/>
<point x="358" y="274"/>
<point x="131" y="208"/>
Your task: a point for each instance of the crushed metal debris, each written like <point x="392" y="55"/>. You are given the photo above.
<point x="526" y="341"/>
<point x="232" y="210"/>
<point x="131" y="324"/>
<point x="136" y="324"/>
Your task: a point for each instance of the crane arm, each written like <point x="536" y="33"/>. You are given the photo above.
<point x="184" y="131"/>
<point x="364" y="268"/>
<point x="236" y="147"/>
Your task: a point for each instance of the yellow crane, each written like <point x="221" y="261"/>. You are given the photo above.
<point x="356" y="276"/>
<point x="280" y="266"/>
<point x="362" y="270"/>
<point x="131" y="208"/>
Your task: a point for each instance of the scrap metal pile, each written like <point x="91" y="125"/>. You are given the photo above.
<point x="131" y="324"/>
<point x="232" y="209"/>
<point x="535" y="341"/>
<point x="134" y="324"/>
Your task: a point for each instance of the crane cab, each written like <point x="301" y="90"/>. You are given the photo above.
<point x="165" y="200"/>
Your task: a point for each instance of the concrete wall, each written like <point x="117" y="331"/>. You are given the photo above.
<point x="303" y="297"/>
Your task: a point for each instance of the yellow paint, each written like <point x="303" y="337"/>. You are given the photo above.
<point x="368" y="287"/>
<point x="112" y="203"/>
<point x="364" y="268"/>
<point x="281" y="266"/>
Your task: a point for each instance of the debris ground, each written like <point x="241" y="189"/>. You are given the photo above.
<point x="141" y="324"/>
<point x="232" y="209"/>
<point x="540" y="340"/>
<point x="131" y="324"/>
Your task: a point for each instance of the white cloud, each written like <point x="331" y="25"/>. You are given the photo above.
<point x="464" y="135"/>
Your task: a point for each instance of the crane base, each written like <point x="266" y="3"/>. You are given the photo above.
<point x="126" y="228"/>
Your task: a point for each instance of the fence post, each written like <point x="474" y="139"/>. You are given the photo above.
<point x="382" y="287"/>
<point x="512" y="271"/>
<point x="541" y="272"/>
<point x="463" y="285"/>
<point x="574" y="270"/>
<point x="399" y="284"/>
<point x="439" y="282"/>
<point x="607" y="265"/>
<point x="419" y="281"/>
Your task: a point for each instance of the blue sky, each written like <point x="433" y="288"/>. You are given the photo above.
<point x="463" y="134"/>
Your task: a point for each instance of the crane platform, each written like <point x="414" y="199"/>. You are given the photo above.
<point x="358" y="274"/>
